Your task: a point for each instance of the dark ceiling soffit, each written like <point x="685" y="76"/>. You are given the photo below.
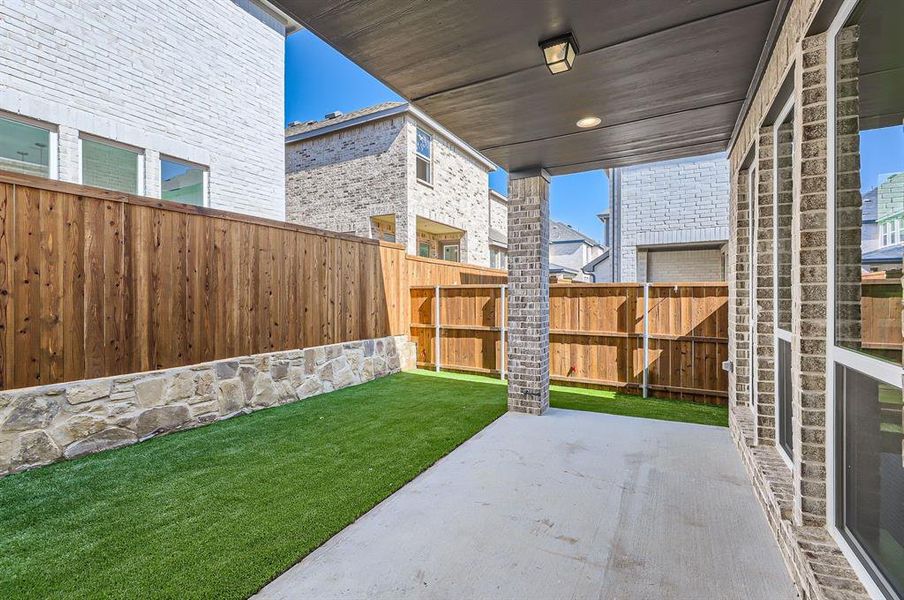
<point x="824" y="16"/>
<point x="586" y="132"/>
<point x="684" y="151"/>
<point x="593" y="50"/>
<point x="781" y="12"/>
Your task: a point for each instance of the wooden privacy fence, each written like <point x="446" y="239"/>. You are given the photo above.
<point x="96" y="283"/>
<point x="666" y="339"/>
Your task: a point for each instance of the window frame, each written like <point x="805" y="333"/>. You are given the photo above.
<point x="140" y="174"/>
<point x="838" y="356"/>
<point x="418" y="156"/>
<point x="53" y="142"/>
<point x="450" y="244"/>
<point x="779" y="334"/>
<point x="205" y="180"/>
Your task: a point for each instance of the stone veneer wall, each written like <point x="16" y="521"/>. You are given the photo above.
<point x="41" y="425"/>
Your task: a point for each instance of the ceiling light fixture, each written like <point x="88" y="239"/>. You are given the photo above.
<point x="588" y="122"/>
<point x="559" y="53"/>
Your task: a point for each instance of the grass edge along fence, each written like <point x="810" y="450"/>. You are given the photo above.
<point x="663" y="339"/>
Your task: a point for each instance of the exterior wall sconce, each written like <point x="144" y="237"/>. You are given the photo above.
<point x="559" y="53"/>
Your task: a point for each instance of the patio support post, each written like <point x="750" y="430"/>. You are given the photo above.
<point x="528" y="309"/>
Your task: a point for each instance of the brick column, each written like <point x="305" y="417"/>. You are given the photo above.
<point x="809" y="274"/>
<point x="528" y="292"/>
<point x="738" y="276"/>
<point x="765" y="335"/>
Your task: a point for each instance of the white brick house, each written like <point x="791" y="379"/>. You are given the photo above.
<point x="669" y="221"/>
<point x="196" y="116"/>
<point x="389" y="171"/>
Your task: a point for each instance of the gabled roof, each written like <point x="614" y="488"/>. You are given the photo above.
<point x="870" y="206"/>
<point x="295" y="129"/>
<point x="592" y="264"/>
<point x="560" y="233"/>
<point x="554" y="268"/>
<point x="312" y="129"/>
<point x="888" y="254"/>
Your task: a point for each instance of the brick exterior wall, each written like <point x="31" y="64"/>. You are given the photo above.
<point x="738" y="273"/>
<point x="810" y="280"/>
<point x="337" y="182"/>
<point x="671" y="203"/>
<point x="765" y="302"/>
<point x="794" y="499"/>
<point x="211" y="92"/>
<point x="528" y="301"/>
<point x="340" y="180"/>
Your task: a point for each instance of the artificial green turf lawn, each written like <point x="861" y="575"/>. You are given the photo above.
<point x="219" y="511"/>
<point x="575" y="398"/>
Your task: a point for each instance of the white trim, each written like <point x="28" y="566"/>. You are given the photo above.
<point x="424" y="157"/>
<point x="780" y="334"/>
<point x="753" y="310"/>
<point x="139" y="152"/>
<point x="867" y="365"/>
<point x="53" y="139"/>
<point x="205" y="175"/>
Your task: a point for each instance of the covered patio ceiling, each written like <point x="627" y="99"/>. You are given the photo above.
<point x="668" y="78"/>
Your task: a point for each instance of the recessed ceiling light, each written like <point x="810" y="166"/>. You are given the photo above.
<point x="588" y="122"/>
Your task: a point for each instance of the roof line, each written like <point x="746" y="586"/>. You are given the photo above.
<point x="392" y="111"/>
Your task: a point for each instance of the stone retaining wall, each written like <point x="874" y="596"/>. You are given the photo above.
<point x="45" y="424"/>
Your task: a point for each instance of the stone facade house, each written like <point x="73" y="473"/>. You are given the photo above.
<point x="390" y="172"/>
<point x="187" y="122"/>
<point x="569" y="252"/>
<point x="669" y="221"/>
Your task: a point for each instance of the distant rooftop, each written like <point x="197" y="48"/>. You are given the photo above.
<point x="304" y="127"/>
<point x="560" y="232"/>
<point x="337" y="121"/>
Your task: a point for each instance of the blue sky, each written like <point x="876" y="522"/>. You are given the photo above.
<point x="320" y="80"/>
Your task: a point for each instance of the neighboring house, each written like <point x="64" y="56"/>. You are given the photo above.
<point x="498" y="230"/>
<point x="390" y="172"/>
<point x="198" y="119"/>
<point x="669" y="222"/>
<point x="882" y="230"/>
<point x="569" y="252"/>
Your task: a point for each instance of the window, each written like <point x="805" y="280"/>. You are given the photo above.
<point x="450" y="252"/>
<point x="183" y="182"/>
<point x="27" y="148"/>
<point x="389" y="237"/>
<point x="866" y="111"/>
<point x="783" y="196"/>
<point x="111" y="166"/>
<point x="424" y="156"/>
<point x="498" y="258"/>
<point x="871" y="472"/>
<point x="423" y="249"/>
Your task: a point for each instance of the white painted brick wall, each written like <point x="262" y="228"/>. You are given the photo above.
<point x="702" y="264"/>
<point x="200" y="80"/>
<point x="670" y="203"/>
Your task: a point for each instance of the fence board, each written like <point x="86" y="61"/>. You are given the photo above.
<point x="596" y="335"/>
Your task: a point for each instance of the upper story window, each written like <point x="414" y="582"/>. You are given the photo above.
<point x="27" y="147"/>
<point x="183" y="182"/>
<point x="424" y="156"/>
<point x="112" y="166"/>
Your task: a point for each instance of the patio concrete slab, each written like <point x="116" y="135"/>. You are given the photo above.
<point x="568" y="505"/>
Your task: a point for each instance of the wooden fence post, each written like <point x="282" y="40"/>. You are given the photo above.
<point x="436" y="357"/>
<point x="646" y="340"/>
<point x="502" y="332"/>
